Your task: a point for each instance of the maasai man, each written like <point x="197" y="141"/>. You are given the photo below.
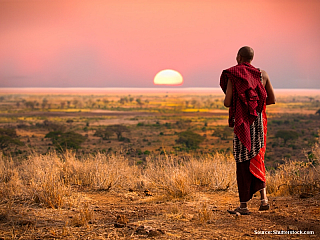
<point x="247" y="92"/>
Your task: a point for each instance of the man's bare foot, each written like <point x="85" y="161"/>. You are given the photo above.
<point x="242" y="211"/>
<point x="264" y="205"/>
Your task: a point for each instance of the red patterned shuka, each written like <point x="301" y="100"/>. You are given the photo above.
<point x="248" y="100"/>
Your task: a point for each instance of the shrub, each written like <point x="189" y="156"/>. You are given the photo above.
<point x="223" y="132"/>
<point x="287" y="135"/>
<point x="190" y="139"/>
<point x="67" y="140"/>
<point x="105" y="133"/>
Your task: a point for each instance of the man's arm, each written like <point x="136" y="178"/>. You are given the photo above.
<point x="228" y="98"/>
<point x="271" y="99"/>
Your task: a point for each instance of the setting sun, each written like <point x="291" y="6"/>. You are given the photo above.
<point x="168" y="77"/>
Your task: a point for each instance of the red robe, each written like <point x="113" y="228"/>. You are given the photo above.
<point x="248" y="98"/>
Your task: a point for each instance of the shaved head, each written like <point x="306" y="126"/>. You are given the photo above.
<point x="246" y="53"/>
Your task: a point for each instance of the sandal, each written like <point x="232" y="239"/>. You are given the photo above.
<point x="242" y="211"/>
<point x="264" y="207"/>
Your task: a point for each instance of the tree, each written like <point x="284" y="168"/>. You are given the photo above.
<point x="138" y="100"/>
<point x="318" y="112"/>
<point x="44" y="103"/>
<point x="66" y="140"/>
<point x="75" y="102"/>
<point x="62" y="104"/>
<point x="190" y="139"/>
<point x="118" y="129"/>
<point x="29" y="104"/>
<point x="287" y="135"/>
<point x="194" y="102"/>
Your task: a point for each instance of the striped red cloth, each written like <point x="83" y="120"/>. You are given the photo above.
<point x="248" y="98"/>
<point x="257" y="167"/>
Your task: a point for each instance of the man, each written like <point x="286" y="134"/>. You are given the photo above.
<point x="247" y="92"/>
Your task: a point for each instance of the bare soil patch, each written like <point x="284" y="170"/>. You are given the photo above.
<point x="133" y="215"/>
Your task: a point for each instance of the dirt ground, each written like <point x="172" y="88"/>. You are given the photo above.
<point x="145" y="215"/>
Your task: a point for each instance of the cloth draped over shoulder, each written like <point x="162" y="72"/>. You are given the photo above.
<point x="248" y="98"/>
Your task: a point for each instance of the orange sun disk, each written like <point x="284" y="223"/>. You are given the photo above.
<point x="168" y="77"/>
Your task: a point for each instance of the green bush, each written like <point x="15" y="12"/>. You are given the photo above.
<point x="287" y="135"/>
<point x="66" y="140"/>
<point x="223" y="132"/>
<point x="103" y="133"/>
<point x="190" y="139"/>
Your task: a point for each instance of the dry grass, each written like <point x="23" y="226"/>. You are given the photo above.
<point x="84" y="216"/>
<point x="180" y="177"/>
<point x="56" y="195"/>
<point x="295" y="177"/>
<point x="167" y="174"/>
<point x="99" y="172"/>
<point x="205" y="214"/>
<point x="216" y="173"/>
<point x="49" y="180"/>
<point x="10" y="184"/>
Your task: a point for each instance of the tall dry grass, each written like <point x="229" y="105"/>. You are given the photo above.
<point x="180" y="177"/>
<point x="99" y="172"/>
<point x="10" y="183"/>
<point x="41" y="174"/>
<point x="296" y="177"/>
<point x="50" y="180"/>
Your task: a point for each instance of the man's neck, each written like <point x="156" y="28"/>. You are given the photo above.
<point x="242" y="62"/>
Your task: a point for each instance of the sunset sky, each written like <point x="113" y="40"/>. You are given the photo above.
<point x="125" y="43"/>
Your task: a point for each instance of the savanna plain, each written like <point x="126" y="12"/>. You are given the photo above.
<point x="123" y="165"/>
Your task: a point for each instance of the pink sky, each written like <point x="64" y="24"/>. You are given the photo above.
<point x="124" y="43"/>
